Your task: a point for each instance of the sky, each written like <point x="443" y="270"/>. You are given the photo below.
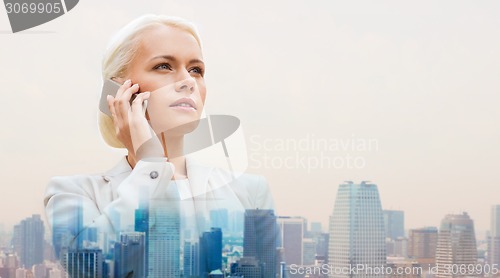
<point x="404" y="94"/>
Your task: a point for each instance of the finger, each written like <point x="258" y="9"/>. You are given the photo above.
<point x="117" y="99"/>
<point x="110" y="99"/>
<point x="127" y="94"/>
<point x="119" y="113"/>
<point x="140" y="130"/>
<point x="123" y="103"/>
<point x="137" y="104"/>
<point x="123" y="87"/>
<point x="111" y="106"/>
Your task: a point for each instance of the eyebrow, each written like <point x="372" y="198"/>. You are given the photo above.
<point x="172" y="58"/>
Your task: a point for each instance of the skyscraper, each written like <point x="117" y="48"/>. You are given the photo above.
<point x="401" y="247"/>
<point x="141" y="219"/>
<point x="66" y="230"/>
<point x="164" y="239"/>
<point x="28" y="241"/>
<point x="357" y="234"/>
<point x="83" y="263"/>
<point x="308" y="251"/>
<point x="422" y="245"/>
<point x="141" y="223"/>
<point x="322" y="247"/>
<point x="494" y="238"/>
<point x="260" y="239"/>
<point x="456" y="244"/>
<point x="210" y="251"/>
<point x="248" y="267"/>
<point x="191" y="259"/>
<point x="130" y="255"/>
<point x="292" y="234"/>
<point x="394" y="222"/>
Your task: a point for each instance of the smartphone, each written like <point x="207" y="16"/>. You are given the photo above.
<point x="110" y="87"/>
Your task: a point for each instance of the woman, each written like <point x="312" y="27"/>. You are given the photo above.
<point x="155" y="188"/>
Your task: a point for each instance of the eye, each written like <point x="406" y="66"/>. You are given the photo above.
<point x="197" y="70"/>
<point x="163" y="66"/>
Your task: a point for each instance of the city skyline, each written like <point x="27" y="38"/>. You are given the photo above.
<point x="455" y="232"/>
<point x="4" y="227"/>
<point x="481" y="235"/>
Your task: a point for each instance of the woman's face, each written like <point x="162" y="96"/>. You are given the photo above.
<point x="169" y="64"/>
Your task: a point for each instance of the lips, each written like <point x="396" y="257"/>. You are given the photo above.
<point x="184" y="102"/>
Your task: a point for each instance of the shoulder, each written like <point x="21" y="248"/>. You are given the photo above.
<point x="84" y="185"/>
<point x="72" y="181"/>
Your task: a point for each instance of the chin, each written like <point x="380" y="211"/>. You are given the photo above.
<point x="180" y="124"/>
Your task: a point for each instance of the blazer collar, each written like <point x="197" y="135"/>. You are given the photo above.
<point x="197" y="173"/>
<point x="122" y="167"/>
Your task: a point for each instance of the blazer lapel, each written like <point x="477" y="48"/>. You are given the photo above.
<point x="117" y="174"/>
<point x="198" y="175"/>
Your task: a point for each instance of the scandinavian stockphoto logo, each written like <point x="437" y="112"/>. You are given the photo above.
<point x="26" y="14"/>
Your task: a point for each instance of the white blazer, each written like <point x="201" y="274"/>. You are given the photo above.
<point x="103" y="197"/>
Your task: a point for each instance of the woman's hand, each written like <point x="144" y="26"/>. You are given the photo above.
<point x="131" y="126"/>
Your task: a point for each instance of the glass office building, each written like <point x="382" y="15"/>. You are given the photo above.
<point x="357" y="234"/>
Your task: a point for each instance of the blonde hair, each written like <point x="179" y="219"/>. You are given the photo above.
<point x="120" y="52"/>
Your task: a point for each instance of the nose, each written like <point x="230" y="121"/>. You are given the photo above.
<point x="187" y="84"/>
